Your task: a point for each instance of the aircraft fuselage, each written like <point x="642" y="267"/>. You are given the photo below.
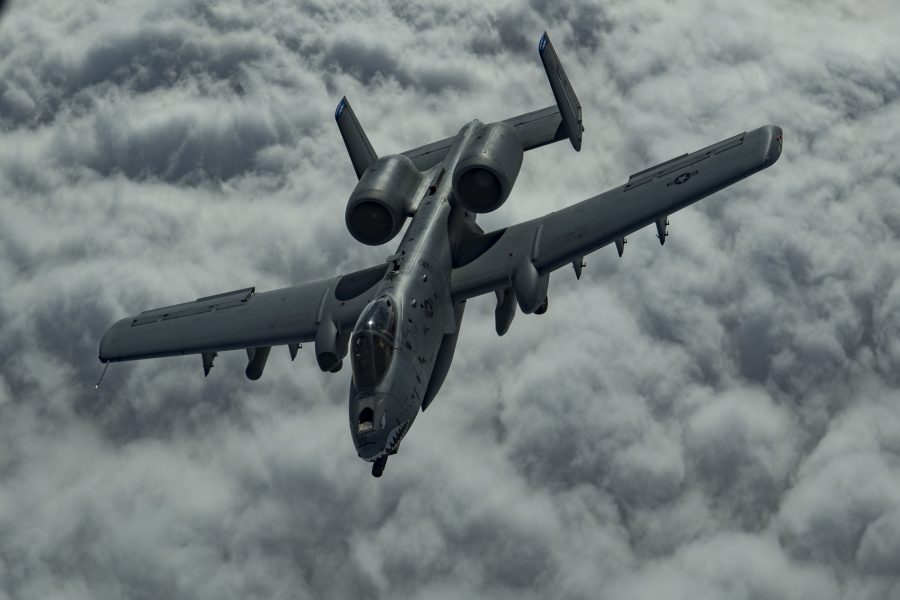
<point x="417" y="288"/>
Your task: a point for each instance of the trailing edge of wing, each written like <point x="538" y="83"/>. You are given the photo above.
<point x="358" y="147"/>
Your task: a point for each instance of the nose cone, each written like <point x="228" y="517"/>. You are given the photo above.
<point x="368" y="420"/>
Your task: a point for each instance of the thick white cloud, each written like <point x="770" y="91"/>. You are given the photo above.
<point x="716" y="418"/>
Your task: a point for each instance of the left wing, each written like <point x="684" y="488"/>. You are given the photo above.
<point x="521" y="257"/>
<point x="321" y="310"/>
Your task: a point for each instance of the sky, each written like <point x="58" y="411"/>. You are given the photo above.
<point x="715" y="418"/>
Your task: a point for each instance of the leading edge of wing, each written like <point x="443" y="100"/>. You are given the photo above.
<point x="561" y="237"/>
<point x="241" y="319"/>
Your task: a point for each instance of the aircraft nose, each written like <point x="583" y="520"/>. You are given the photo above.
<point x="369" y="452"/>
<point x="367" y="420"/>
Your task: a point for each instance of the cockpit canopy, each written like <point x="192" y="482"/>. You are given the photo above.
<point x="372" y="344"/>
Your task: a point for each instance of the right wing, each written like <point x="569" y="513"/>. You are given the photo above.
<point x="521" y="257"/>
<point x="320" y="310"/>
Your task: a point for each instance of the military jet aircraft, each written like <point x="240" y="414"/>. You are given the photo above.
<point x="400" y="319"/>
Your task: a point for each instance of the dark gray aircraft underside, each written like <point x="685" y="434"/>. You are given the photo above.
<point x="399" y="320"/>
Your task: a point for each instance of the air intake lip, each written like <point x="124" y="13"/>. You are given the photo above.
<point x="480" y="187"/>
<point x="381" y="201"/>
<point x="372" y="222"/>
<point x="487" y="168"/>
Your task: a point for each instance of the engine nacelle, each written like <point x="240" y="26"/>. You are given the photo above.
<point x="382" y="199"/>
<point x="488" y="168"/>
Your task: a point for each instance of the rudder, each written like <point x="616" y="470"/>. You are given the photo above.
<point x="358" y="147"/>
<point x="566" y="100"/>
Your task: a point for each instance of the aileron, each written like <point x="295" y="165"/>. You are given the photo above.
<point x="237" y="295"/>
<point x="199" y="305"/>
<point x="685" y="160"/>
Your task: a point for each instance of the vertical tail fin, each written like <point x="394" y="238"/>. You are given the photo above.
<point x="566" y="100"/>
<point x="358" y="147"/>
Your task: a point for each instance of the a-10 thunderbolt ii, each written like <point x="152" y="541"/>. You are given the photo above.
<point x="400" y="319"/>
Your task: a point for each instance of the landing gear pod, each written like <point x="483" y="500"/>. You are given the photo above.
<point x="530" y="287"/>
<point x="488" y="168"/>
<point x="331" y="346"/>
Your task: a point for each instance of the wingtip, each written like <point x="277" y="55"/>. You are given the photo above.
<point x="775" y="136"/>
<point x="340" y="108"/>
<point x="542" y="45"/>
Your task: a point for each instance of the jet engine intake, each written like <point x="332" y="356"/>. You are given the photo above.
<point x="488" y="168"/>
<point x="382" y="200"/>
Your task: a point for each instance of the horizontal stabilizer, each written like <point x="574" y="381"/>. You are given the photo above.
<point x="358" y="147"/>
<point x="536" y="128"/>
<point x="566" y="100"/>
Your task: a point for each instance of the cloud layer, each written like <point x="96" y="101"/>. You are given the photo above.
<point x="716" y="418"/>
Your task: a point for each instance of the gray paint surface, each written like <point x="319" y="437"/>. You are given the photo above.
<point x="421" y="281"/>
<point x="713" y="418"/>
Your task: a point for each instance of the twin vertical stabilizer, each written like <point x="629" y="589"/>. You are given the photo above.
<point x="534" y="129"/>
<point x="358" y="147"/>
<point x="566" y="100"/>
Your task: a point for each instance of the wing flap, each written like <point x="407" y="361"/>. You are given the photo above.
<point x="561" y="237"/>
<point x="683" y="161"/>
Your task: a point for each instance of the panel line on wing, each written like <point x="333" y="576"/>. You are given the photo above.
<point x="682" y="162"/>
<point x="198" y="306"/>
